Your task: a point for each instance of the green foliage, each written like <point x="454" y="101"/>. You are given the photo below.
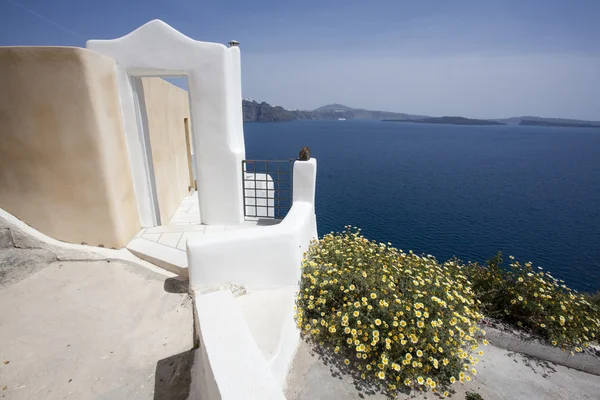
<point x="473" y="396"/>
<point x="397" y="317"/>
<point x="594" y="299"/>
<point x="537" y="302"/>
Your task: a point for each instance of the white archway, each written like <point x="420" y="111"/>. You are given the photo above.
<point x="214" y="84"/>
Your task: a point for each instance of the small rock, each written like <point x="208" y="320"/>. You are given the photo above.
<point x="6" y="239"/>
<point x="70" y="380"/>
<point x="237" y="290"/>
<point x="6" y="362"/>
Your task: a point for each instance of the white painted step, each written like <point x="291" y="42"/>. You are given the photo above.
<point x="169" y="258"/>
<point x="270" y="317"/>
<point x="228" y="364"/>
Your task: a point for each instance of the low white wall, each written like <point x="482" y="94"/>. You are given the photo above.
<point x="263" y="257"/>
<point x="229" y="363"/>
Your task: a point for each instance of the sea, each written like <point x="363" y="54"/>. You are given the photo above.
<point x="455" y="191"/>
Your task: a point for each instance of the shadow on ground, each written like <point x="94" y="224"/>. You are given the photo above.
<point x="547" y="368"/>
<point x="173" y="377"/>
<point x="18" y="264"/>
<point x="177" y="285"/>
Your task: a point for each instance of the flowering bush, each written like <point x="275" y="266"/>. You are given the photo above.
<point x="400" y="318"/>
<point x="536" y="301"/>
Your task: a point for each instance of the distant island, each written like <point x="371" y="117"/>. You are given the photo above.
<point x="449" y="120"/>
<point x="254" y="111"/>
<point x="264" y="112"/>
<point x="579" y="124"/>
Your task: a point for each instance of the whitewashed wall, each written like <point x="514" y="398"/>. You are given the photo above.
<point x="263" y="257"/>
<point x="228" y="364"/>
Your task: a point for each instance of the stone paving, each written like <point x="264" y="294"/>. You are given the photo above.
<point x="186" y="222"/>
<point x="165" y="245"/>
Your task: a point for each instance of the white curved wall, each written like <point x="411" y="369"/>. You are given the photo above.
<point x="214" y="82"/>
<point x="263" y="257"/>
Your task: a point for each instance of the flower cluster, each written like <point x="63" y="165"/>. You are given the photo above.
<point x="535" y="301"/>
<point x="396" y="317"/>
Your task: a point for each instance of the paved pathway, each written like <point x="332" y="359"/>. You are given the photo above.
<point x="95" y="330"/>
<point x="186" y="222"/>
<point x="502" y="375"/>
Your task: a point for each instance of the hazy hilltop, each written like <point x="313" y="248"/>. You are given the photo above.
<point x="334" y="108"/>
<point x="449" y="121"/>
<point x="254" y="111"/>
<point x="334" y="111"/>
<point x="530" y="120"/>
<point x="264" y="112"/>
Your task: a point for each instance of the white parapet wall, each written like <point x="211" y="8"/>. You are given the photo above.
<point x="265" y="257"/>
<point x="247" y="344"/>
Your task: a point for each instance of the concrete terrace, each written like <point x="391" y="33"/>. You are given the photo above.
<point x="93" y="330"/>
<point x="502" y="375"/>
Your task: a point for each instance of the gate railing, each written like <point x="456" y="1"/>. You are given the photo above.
<point x="267" y="186"/>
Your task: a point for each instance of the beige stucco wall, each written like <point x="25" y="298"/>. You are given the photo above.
<point x="166" y="107"/>
<point x="64" y="167"/>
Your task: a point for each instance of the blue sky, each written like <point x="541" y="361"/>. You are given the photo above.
<point x="488" y="59"/>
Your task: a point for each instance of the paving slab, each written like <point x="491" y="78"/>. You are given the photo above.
<point x="502" y="375"/>
<point x="95" y="330"/>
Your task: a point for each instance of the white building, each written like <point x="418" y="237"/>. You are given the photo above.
<point x="171" y="184"/>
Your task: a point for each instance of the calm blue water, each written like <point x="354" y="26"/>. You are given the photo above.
<point x="465" y="191"/>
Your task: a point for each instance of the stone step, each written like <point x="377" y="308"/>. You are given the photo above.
<point x="169" y="258"/>
<point x="228" y="363"/>
<point x="270" y="317"/>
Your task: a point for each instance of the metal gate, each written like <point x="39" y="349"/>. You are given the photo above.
<point x="267" y="186"/>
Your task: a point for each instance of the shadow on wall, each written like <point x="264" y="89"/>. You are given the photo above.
<point x="61" y="128"/>
<point x="268" y="222"/>
<point x="173" y="377"/>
